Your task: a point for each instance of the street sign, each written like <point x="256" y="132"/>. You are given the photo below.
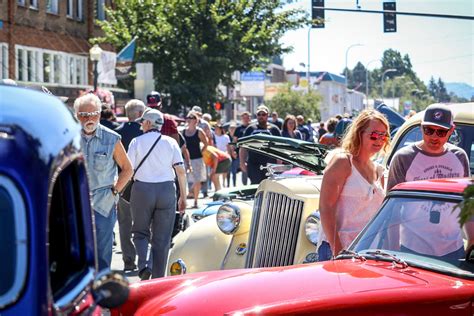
<point x="252" y="84"/>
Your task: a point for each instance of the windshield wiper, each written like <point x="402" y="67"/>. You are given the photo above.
<point x="395" y="260"/>
<point x="352" y="254"/>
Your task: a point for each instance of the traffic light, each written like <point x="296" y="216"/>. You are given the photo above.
<point x="389" y="19"/>
<point x="317" y="15"/>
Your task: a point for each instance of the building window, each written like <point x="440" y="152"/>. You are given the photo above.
<point x="52" y="6"/>
<point x="69" y="8"/>
<point x="100" y="10"/>
<point x="40" y="65"/>
<point x="79" y="6"/>
<point x="33" y="4"/>
<point x="3" y="61"/>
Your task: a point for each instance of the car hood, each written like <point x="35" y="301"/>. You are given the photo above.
<point x="306" y="155"/>
<point x="394" y="118"/>
<point x="312" y="287"/>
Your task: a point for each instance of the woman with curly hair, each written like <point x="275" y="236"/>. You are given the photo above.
<point x="352" y="188"/>
<point x="289" y="128"/>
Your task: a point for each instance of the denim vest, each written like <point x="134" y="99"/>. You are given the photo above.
<point x="101" y="167"/>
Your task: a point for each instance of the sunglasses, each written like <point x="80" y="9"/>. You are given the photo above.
<point x="439" y="132"/>
<point x="88" y="114"/>
<point x="262" y="114"/>
<point x="378" y="135"/>
<point x="191" y="117"/>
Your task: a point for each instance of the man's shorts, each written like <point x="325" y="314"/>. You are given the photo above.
<point x="224" y="166"/>
<point x="199" y="171"/>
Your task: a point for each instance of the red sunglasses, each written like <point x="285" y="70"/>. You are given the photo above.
<point x="378" y="135"/>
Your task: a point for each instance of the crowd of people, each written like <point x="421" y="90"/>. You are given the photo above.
<point x="164" y="161"/>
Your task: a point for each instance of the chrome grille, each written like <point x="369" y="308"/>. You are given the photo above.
<point x="274" y="231"/>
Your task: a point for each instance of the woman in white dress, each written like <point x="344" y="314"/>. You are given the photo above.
<point x="353" y="187"/>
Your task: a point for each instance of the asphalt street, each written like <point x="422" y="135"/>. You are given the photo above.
<point x="117" y="263"/>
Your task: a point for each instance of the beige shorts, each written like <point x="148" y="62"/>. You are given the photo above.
<point x="199" y="171"/>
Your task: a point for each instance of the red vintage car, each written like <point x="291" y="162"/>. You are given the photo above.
<point x="389" y="269"/>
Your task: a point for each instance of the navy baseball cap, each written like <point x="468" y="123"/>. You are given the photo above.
<point x="438" y="115"/>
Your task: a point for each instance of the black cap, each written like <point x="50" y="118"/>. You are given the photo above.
<point x="438" y="115"/>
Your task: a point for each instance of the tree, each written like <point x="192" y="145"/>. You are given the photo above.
<point x="195" y="45"/>
<point x="288" y="101"/>
<point x="443" y="95"/>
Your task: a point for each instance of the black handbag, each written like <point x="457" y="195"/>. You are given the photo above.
<point x="126" y="192"/>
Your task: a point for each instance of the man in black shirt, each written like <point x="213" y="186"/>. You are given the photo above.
<point x="239" y="132"/>
<point x="129" y="130"/>
<point x="249" y="161"/>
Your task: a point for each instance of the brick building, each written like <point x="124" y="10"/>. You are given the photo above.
<point x="46" y="43"/>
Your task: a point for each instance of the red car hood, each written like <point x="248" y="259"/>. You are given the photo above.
<point x="311" y="288"/>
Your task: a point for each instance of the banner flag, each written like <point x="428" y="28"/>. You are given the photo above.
<point x="125" y="60"/>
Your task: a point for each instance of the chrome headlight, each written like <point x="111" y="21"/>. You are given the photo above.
<point x="228" y="218"/>
<point x="312" y="227"/>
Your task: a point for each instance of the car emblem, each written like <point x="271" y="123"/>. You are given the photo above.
<point x="438" y="115"/>
<point x="241" y="249"/>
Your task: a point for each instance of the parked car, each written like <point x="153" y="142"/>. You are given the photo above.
<point x="248" y="234"/>
<point x="49" y="263"/>
<point x="375" y="276"/>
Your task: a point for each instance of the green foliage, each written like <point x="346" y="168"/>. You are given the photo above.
<point x="195" y="45"/>
<point x="467" y="205"/>
<point x="293" y="102"/>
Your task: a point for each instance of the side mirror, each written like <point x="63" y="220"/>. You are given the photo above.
<point x="110" y="289"/>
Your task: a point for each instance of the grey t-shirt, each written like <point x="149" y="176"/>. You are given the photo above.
<point x="410" y="163"/>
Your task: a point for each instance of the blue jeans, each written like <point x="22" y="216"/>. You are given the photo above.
<point x="324" y="251"/>
<point x="233" y="169"/>
<point x="104" y="229"/>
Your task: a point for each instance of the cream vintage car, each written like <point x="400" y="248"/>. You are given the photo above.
<point x="281" y="225"/>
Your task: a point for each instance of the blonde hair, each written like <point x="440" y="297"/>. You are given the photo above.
<point x="352" y="139"/>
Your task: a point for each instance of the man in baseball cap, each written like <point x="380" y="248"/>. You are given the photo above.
<point x="154" y="116"/>
<point x="169" y="126"/>
<point x="438" y="115"/>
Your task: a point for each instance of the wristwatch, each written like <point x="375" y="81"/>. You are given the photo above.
<point x="114" y="191"/>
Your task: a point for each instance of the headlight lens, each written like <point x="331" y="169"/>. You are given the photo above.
<point x="312" y="227"/>
<point x="228" y="218"/>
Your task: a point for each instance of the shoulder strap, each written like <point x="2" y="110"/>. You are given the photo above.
<point x="147" y="154"/>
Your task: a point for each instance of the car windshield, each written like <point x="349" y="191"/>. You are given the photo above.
<point x="421" y="230"/>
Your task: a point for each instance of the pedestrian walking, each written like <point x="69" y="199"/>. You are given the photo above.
<point x="155" y="158"/>
<point x="239" y="132"/>
<point x="194" y="137"/>
<point x="289" y="128"/>
<point x="103" y="152"/>
<point x="252" y="165"/>
<point x="128" y="130"/>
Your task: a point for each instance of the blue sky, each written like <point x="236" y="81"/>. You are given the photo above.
<point x="437" y="47"/>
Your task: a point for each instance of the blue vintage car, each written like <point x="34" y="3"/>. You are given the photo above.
<point x="47" y="225"/>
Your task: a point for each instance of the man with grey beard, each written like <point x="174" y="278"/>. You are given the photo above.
<point x="103" y="152"/>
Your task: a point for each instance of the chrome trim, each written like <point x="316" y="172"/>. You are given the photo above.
<point x="182" y="265"/>
<point x="257" y="206"/>
<point x="421" y="194"/>
<point x="274" y="231"/>
<point x="20" y="218"/>
<point x="226" y="256"/>
<point x="70" y="300"/>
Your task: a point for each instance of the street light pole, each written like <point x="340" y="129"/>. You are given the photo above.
<point x="347" y="51"/>
<point x="309" y="55"/>
<point x="95" y="52"/>
<point x="367" y="82"/>
<point x="383" y="75"/>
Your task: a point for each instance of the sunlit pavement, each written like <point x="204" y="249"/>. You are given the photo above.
<point x="117" y="263"/>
